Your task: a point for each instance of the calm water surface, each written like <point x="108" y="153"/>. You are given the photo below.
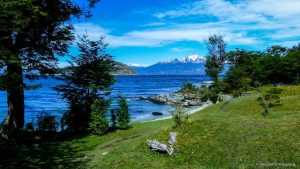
<point x="46" y="100"/>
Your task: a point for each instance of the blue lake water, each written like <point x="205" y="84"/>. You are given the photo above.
<point x="47" y="100"/>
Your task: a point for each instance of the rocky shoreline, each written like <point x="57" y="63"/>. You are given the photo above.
<point x="181" y="99"/>
<point x="177" y="98"/>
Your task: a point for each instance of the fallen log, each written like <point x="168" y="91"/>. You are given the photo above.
<point x="163" y="148"/>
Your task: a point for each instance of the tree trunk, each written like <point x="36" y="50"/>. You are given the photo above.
<point x="15" y="97"/>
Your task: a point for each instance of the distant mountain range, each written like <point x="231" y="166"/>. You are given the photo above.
<point x="118" y="69"/>
<point x="190" y="65"/>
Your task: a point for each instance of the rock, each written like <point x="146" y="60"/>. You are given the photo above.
<point x="157" y="113"/>
<point x="185" y="104"/>
<point x="143" y="98"/>
<point x="177" y="98"/>
<point x="194" y="103"/>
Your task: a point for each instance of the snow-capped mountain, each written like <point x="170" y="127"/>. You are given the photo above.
<point x="189" y="65"/>
<point x="136" y="65"/>
<point x="193" y="58"/>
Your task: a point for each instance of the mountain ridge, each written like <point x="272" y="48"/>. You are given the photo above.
<point x="193" y="58"/>
<point x="193" y="64"/>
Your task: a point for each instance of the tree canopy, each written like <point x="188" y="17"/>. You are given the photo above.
<point x="33" y="34"/>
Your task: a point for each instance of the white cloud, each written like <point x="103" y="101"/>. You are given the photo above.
<point x="179" y="50"/>
<point x="244" y="10"/>
<point x="137" y="65"/>
<point x="163" y="36"/>
<point x="286" y="43"/>
<point x="245" y="22"/>
<point x="280" y="18"/>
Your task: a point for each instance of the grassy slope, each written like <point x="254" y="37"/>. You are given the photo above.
<point x="236" y="136"/>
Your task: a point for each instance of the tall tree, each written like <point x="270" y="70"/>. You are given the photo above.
<point x="88" y="79"/>
<point x="216" y="58"/>
<point x="33" y="34"/>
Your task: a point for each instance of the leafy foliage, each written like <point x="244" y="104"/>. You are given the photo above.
<point x="276" y="65"/>
<point x="179" y="116"/>
<point x="269" y="101"/>
<point x="187" y="86"/>
<point x="275" y="90"/>
<point x="47" y="126"/>
<point x="33" y="34"/>
<point x="217" y="56"/>
<point x="87" y="80"/>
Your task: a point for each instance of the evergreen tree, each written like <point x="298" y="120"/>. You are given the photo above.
<point x="123" y="113"/>
<point x="99" y="124"/>
<point x="88" y="79"/>
<point x="33" y="34"/>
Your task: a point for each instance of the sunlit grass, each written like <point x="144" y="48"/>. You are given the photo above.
<point x="236" y="136"/>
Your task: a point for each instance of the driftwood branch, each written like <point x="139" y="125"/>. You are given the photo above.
<point x="157" y="146"/>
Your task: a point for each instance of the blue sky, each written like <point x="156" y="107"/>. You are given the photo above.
<point x="147" y="31"/>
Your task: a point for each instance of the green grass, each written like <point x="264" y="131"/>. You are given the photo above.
<point x="236" y="136"/>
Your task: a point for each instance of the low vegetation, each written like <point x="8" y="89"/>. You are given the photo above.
<point x="234" y="136"/>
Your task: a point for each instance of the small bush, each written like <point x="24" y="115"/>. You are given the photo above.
<point x="179" y="116"/>
<point x="187" y="86"/>
<point x="265" y="105"/>
<point x="47" y="126"/>
<point x="29" y="133"/>
<point x="269" y="101"/>
<point x="210" y="95"/>
<point x="214" y="97"/>
<point x="204" y="98"/>
<point x="237" y="92"/>
<point x="123" y="113"/>
<point x="275" y="91"/>
<point x="99" y="124"/>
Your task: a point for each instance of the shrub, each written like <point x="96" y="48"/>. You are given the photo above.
<point x="46" y="126"/>
<point x="179" y="116"/>
<point x="265" y="105"/>
<point x="213" y="97"/>
<point x="123" y="113"/>
<point x="187" y="86"/>
<point x="29" y="133"/>
<point x="210" y="95"/>
<point x="99" y="124"/>
<point x="275" y="91"/>
<point x="237" y="92"/>
<point x="204" y="98"/>
<point x="269" y="101"/>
